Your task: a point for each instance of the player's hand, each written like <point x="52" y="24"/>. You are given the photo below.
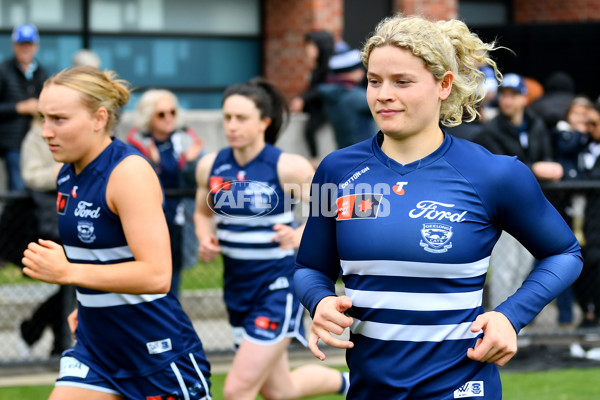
<point x="27" y="107"/>
<point x="209" y="249"/>
<point x="46" y="261"/>
<point x="73" y="321"/>
<point x="286" y="236"/>
<point x="154" y="153"/>
<point x="330" y="318"/>
<point x="547" y="170"/>
<point x="499" y="343"/>
<point x="192" y="152"/>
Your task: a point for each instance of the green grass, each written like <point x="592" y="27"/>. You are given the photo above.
<point x="565" y="384"/>
<point x="11" y="274"/>
<point x="201" y="276"/>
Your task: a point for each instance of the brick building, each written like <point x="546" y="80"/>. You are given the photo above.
<point x="198" y="48"/>
<point x="546" y="35"/>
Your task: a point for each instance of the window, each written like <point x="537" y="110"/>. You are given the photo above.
<point x="194" y="48"/>
<point x="484" y="12"/>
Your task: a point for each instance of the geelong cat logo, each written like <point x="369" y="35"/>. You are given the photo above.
<point x="85" y="231"/>
<point x="436" y="238"/>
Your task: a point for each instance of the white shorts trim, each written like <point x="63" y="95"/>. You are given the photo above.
<point x="201" y="375"/>
<point x="88" y="387"/>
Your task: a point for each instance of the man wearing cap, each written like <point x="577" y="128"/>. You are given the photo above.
<point x="21" y="80"/>
<point x="518" y="131"/>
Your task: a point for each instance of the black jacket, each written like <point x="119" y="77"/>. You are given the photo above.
<point x="501" y="137"/>
<point x="14" y="88"/>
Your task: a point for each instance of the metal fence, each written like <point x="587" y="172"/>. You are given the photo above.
<point x="201" y="295"/>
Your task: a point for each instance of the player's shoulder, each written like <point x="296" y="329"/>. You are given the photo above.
<point x="472" y="159"/>
<point x="494" y="177"/>
<point x="203" y="169"/>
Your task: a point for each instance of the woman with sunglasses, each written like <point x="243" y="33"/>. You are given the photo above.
<point x="242" y="190"/>
<point x="410" y="221"/>
<point x="174" y="151"/>
<point x="134" y="340"/>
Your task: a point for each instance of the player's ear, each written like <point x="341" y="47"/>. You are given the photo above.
<point x="100" y="119"/>
<point x="446" y="85"/>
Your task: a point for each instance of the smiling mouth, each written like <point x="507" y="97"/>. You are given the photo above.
<point x="388" y="112"/>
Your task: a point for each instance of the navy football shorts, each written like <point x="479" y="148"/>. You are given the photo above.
<point x="273" y="317"/>
<point x="185" y="378"/>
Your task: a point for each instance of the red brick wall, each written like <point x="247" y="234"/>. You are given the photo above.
<point x="286" y="22"/>
<point x="527" y="11"/>
<point x="432" y="9"/>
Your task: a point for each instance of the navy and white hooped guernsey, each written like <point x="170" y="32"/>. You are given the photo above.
<point x="248" y="201"/>
<point x="123" y="335"/>
<point x="413" y="245"/>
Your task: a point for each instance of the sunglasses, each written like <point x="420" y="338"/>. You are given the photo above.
<point x="162" y="114"/>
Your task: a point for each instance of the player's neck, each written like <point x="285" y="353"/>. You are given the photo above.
<point x="243" y="155"/>
<point x="409" y="149"/>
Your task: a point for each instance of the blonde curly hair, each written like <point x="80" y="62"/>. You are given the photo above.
<point x="443" y="46"/>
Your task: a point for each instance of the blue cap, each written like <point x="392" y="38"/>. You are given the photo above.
<point x="345" y="61"/>
<point x="514" y="82"/>
<point x="25" y="33"/>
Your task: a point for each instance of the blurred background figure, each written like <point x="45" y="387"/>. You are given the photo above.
<point x="173" y="150"/>
<point x="570" y="138"/>
<point x="535" y="90"/>
<point x="344" y="98"/>
<point x="489" y="107"/>
<point x="86" y="57"/>
<point x="586" y="287"/>
<point x="318" y="49"/>
<point x="21" y="79"/>
<point x="518" y="131"/>
<point x="559" y="91"/>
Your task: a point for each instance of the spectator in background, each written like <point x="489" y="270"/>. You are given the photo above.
<point x="318" y="48"/>
<point x="21" y="80"/>
<point x="86" y="57"/>
<point x="517" y="131"/>
<point x="488" y="107"/>
<point x="570" y="137"/>
<point x="173" y="150"/>
<point x="559" y="91"/>
<point x="587" y="286"/>
<point x="345" y="98"/>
